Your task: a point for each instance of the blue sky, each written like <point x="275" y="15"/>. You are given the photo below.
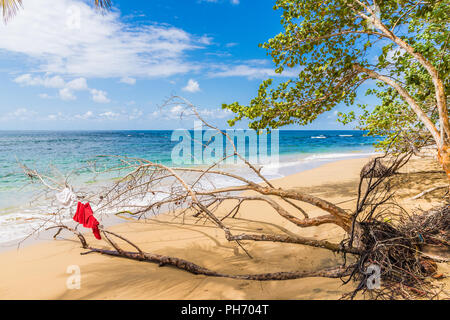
<point x="65" y="66"/>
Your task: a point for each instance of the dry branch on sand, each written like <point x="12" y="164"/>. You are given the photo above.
<point x="379" y="232"/>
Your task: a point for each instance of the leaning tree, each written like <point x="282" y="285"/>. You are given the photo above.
<point x="378" y="231"/>
<point x="338" y="45"/>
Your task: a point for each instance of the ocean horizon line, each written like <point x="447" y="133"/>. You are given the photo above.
<point x="150" y="130"/>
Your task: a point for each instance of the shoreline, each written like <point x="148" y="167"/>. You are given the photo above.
<point x="39" y="271"/>
<point x="47" y="261"/>
<point x="289" y="164"/>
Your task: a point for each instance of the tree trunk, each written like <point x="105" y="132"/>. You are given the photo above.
<point x="444" y="159"/>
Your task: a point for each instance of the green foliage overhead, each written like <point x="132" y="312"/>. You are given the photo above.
<point x="326" y="40"/>
<point x="9" y="8"/>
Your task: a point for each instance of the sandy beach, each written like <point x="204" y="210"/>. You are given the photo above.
<point x="39" y="271"/>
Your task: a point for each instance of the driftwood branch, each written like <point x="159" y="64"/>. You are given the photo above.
<point x="420" y="195"/>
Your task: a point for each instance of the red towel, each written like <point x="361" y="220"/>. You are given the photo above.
<point x="85" y="216"/>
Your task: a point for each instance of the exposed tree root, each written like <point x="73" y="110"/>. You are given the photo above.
<point x="397" y="250"/>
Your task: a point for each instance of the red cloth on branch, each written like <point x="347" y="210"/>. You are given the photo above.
<point x="85" y="216"/>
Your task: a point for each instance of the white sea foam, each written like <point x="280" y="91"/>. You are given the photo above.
<point x="319" y="137"/>
<point x="336" y="156"/>
<point x="17" y="226"/>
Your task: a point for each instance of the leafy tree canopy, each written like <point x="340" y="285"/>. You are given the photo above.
<point x="333" y="43"/>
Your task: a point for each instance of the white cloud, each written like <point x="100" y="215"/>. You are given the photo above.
<point x="179" y="112"/>
<point x="48" y="82"/>
<point x="258" y="62"/>
<point x="99" y="96"/>
<point x="59" y="116"/>
<point x="192" y="86"/>
<point x="333" y="114"/>
<point x="244" y="71"/>
<point x="215" y="113"/>
<point x="205" y="40"/>
<point x="128" y="80"/>
<point x="110" y="115"/>
<point x="135" y="114"/>
<point x="66" y="89"/>
<point x="66" y="94"/>
<point x="394" y="54"/>
<point x="234" y="2"/>
<point x="77" y="84"/>
<point x="18" y="114"/>
<point x="23" y="114"/>
<point x="44" y="96"/>
<point x="252" y="69"/>
<point x="54" y="117"/>
<point x="69" y="37"/>
<point x="85" y="116"/>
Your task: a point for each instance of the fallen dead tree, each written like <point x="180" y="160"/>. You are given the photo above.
<point x="379" y="232"/>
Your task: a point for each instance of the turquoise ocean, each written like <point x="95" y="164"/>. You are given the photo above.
<point x="69" y="150"/>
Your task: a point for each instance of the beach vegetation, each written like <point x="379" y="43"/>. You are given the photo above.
<point x="394" y="50"/>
